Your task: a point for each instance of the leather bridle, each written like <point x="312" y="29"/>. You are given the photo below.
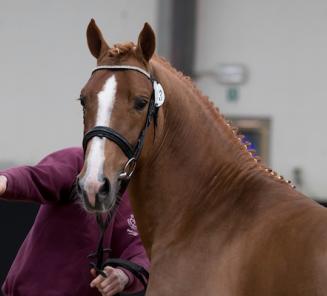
<point x="132" y="153"/>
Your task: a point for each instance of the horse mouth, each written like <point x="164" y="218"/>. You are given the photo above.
<point x="103" y="204"/>
<point x="100" y="208"/>
<point x="101" y="198"/>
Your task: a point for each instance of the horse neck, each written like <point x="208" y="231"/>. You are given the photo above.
<point x="196" y="170"/>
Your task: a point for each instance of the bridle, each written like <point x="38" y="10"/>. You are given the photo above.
<point x="132" y="153"/>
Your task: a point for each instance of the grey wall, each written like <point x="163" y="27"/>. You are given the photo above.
<point x="44" y="63"/>
<point x="284" y="45"/>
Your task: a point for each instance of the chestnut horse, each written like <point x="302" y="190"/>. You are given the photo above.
<point x="213" y="219"/>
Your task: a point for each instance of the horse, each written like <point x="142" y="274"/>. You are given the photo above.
<point x="213" y="219"/>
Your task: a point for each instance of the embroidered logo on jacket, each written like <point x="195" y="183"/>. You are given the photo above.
<point x="132" y="230"/>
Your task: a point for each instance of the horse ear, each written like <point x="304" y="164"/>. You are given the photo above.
<point x="95" y="40"/>
<point x="146" y="43"/>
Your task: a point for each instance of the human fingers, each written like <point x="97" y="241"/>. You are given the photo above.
<point x="3" y="184"/>
<point x="110" y="290"/>
<point x="109" y="286"/>
<point x="116" y="281"/>
<point x="109" y="270"/>
<point x="122" y="277"/>
<point x="93" y="272"/>
<point x="96" y="282"/>
<point x="99" y="279"/>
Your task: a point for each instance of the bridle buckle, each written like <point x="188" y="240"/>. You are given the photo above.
<point x="129" y="169"/>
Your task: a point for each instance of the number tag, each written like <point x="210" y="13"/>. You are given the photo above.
<point x="159" y="94"/>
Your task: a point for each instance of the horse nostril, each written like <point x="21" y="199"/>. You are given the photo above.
<point x="105" y="187"/>
<point x="79" y="187"/>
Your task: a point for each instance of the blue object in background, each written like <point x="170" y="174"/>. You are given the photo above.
<point x="254" y="137"/>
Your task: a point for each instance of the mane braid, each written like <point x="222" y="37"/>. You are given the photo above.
<point x="214" y="110"/>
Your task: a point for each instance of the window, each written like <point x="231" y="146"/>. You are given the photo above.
<point x="256" y="131"/>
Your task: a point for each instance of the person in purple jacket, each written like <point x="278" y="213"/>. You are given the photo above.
<point x="53" y="258"/>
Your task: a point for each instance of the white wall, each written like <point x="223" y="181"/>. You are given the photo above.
<point x="284" y="45"/>
<point x="44" y="62"/>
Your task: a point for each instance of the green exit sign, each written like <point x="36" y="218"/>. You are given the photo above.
<point x="232" y="94"/>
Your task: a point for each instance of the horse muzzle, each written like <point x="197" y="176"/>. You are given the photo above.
<point x="96" y="194"/>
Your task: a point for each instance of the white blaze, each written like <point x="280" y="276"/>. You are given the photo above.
<point x="95" y="158"/>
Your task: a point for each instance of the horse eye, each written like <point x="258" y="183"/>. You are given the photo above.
<point x="82" y="100"/>
<point x="140" y="103"/>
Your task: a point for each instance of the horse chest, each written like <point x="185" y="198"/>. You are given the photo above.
<point x="194" y="272"/>
<point x="279" y="263"/>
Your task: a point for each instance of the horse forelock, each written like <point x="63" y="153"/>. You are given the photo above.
<point x="121" y="49"/>
<point x="118" y="51"/>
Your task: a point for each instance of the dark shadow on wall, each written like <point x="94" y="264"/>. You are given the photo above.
<point x="16" y="218"/>
<point x="177" y="33"/>
<point x="322" y="201"/>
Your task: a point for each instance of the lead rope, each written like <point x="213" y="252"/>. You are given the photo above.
<point x="138" y="271"/>
<point x="103" y="223"/>
<point x="100" y="253"/>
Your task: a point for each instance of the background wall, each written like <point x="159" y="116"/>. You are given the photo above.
<point x="45" y="62"/>
<point x="283" y="44"/>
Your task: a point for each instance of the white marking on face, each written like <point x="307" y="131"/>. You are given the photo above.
<point x="95" y="158"/>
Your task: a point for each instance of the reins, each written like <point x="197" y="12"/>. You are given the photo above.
<point x="132" y="153"/>
<point x="100" y="253"/>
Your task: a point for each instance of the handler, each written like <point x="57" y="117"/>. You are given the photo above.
<point x="53" y="258"/>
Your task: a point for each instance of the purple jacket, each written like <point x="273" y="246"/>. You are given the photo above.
<point x="53" y="258"/>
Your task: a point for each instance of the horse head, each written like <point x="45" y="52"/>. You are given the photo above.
<point x="116" y="100"/>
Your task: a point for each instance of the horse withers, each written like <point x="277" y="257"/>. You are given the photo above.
<point x="213" y="219"/>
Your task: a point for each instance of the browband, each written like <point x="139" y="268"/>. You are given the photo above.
<point x="123" y="67"/>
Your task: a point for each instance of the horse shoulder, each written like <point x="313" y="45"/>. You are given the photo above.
<point x="287" y="254"/>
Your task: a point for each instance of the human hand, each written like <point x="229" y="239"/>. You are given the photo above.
<point x="114" y="283"/>
<point x="3" y="184"/>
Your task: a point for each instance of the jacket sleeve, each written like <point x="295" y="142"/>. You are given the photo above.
<point x="126" y="242"/>
<point x="50" y="180"/>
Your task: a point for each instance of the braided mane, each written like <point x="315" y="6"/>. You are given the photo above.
<point x="120" y="50"/>
<point x="215" y="112"/>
